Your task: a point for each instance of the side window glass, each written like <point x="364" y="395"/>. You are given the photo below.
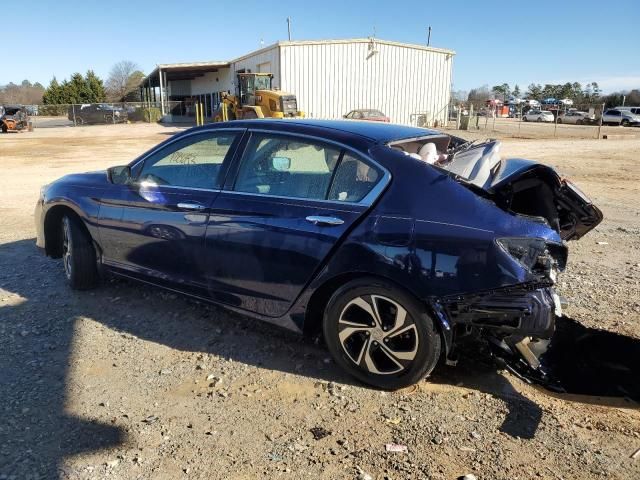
<point x="353" y="180"/>
<point x="193" y="162"/>
<point x="287" y="167"/>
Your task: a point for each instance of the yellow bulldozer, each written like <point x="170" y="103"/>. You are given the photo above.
<point x="256" y="98"/>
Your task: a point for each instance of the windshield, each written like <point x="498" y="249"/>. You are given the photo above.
<point x="263" y="83"/>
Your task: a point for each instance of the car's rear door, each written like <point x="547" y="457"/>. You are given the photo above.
<point x="289" y="202"/>
<point x="154" y="227"/>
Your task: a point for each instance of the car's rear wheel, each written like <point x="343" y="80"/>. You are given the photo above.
<point x="79" y="121"/>
<point x="524" y="119"/>
<point x="380" y="334"/>
<point x="78" y="255"/>
<point x="559" y="120"/>
<point x="625" y="123"/>
<point x="4" y="128"/>
<point x="579" y="122"/>
<point x="539" y="119"/>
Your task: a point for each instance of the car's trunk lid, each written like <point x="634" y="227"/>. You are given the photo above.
<point x="525" y="187"/>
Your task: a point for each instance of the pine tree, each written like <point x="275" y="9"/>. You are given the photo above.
<point x="95" y="88"/>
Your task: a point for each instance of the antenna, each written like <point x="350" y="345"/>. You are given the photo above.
<point x="429" y="36"/>
<point x="289" y="27"/>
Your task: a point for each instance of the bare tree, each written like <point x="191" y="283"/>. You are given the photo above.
<point x="121" y="80"/>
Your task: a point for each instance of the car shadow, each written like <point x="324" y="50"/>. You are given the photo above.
<point x="37" y="323"/>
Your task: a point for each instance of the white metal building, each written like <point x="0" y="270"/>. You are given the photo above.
<point x="411" y="84"/>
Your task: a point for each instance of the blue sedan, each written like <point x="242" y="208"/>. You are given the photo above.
<point x="393" y="242"/>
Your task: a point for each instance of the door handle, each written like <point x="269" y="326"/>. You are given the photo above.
<point x="320" y="220"/>
<point x="190" y="206"/>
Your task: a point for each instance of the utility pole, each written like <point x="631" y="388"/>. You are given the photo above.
<point x="429" y="36"/>
<point x="289" y="27"/>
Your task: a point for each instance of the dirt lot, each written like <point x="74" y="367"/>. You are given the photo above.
<point x="129" y="382"/>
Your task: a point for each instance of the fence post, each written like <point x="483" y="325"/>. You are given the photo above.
<point x="520" y="120"/>
<point x="600" y="123"/>
<point x="555" y="128"/>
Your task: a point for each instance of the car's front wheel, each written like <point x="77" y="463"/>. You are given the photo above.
<point x="625" y="123"/>
<point x="78" y="255"/>
<point x="525" y="119"/>
<point x="380" y="334"/>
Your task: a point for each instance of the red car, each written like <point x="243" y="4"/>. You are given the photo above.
<point x="367" y="114"/>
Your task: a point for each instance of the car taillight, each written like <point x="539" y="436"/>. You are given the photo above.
<point x="535" y="254"/>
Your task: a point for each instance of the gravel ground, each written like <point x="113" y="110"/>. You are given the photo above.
<point x="130" y="382"/>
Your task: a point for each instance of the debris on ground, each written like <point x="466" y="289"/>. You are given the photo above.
<point x="319" y="433"/>
<point x="396" y="447"/>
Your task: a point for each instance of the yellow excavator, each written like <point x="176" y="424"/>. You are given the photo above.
<point x="256" y="98"/>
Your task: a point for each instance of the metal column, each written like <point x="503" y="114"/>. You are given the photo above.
<point x="161" y="93"/>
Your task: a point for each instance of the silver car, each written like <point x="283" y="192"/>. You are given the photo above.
<point x="538" y="116"/>
<point x="577" y="118"/>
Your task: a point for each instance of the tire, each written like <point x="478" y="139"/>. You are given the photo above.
<point x="560" y="121"/>
<point x="4" y="128"/>
<point x="625" y="123"/>
<point x="579" y="122"/>
<point x="524" y="119"/>
<point x="359" y="342"/>
<point x="108" y="119"/>
<point x="539" y="119"/>
<point x="78" y="255"/>
<point x="79" y="121"/>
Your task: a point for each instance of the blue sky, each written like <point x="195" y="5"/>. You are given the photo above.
<point x="495" y="41"/>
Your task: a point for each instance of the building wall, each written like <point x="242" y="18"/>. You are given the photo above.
<point x="330" y="79"/>
<point x="260" y="61"/>
<point x="211" y="82"/>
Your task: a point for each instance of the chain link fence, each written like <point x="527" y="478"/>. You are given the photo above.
<point x="42" y="116"/>
<point x="543" y="121"/>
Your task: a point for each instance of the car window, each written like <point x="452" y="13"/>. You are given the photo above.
<point x="194" y="161"/>
<point x="287" y="167"/>
<point x="357" y="115"/>
<point x="349" y="115"/>
<point x="353" y="180"/>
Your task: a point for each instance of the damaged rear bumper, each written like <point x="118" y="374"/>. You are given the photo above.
<point x="517" y="322"/>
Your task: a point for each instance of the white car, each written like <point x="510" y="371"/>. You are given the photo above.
<point x="577" y="118"/>
<point x="538" y="116"/>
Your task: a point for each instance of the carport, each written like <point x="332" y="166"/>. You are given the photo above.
<point x="171" y="85"/>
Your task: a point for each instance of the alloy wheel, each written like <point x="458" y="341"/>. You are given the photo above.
<point x="378" y="334"/>
<point x="67" y="247"/>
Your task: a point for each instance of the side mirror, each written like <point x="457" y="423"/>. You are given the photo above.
<point x="120" y="175"/>
<point x="281" y="164"/>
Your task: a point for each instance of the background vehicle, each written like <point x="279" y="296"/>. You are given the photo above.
<point x="367" y="114"/>
<point x="256" y="98"/>
<point x="13" y="118"/>
<point x="577" y="118"/>
<point x="625" y="118"/>
<point x="538" y="116"/>
<point x="96" y="113"/>
<point x="334" y="226"/>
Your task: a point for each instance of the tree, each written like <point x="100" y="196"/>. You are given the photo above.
<point x="53" y="93"/>
<point x="95" y="88"/>
<point x="516" y="91"/>
<point x="479" y="96"/>
<point x="503" y="90"/>
<point x="122" y="80"/>
<point x="534" y="91"/>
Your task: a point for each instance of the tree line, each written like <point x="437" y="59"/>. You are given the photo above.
<point x="589" y="94"/>
<point x="121" y="86"/>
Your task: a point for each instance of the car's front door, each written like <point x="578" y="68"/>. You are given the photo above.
<point x="271" y="228"/>
<point x="155" y="226"/>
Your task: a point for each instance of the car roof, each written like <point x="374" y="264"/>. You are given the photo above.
<point x="370" y="131"/>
